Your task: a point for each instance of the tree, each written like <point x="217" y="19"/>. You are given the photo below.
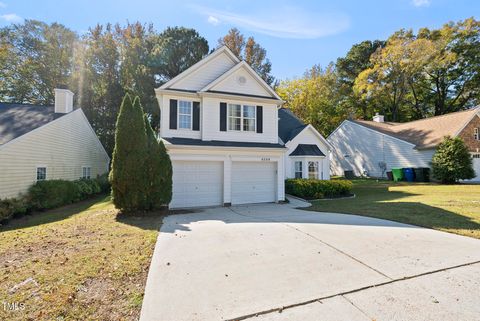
<point x="250" y="51"/>
<point x="159" y="171"/>
<point x="128" y="176"/>
<point x="317" y="98"/>
<point x="35" y="58"/>
<point x="175" y="50"/>
<point x="452" y="161"/>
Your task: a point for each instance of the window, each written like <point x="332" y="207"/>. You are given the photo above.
<point x="86" y="172"/>
<point x="41" y="173"/>
<point x="298" y="169"/>
<point x="312" y="169"/>
<point x="476" y="134"/>
<point x="241" y="118"/>
<point x="476" y="155"/>
<point x="184" y="114"/>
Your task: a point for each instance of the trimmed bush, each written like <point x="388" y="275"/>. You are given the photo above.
<point x="315" y="189"/>
<point x="452" y="161"/>
<point x="11" y="207"/>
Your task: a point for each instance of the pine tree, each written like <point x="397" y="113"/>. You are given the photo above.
<point x="128" y="176"/>
<point x="166" y="174"/>
<point x="452" y="161"/>
<point x="154" y="170"/>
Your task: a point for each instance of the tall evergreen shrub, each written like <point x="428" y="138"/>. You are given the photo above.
<point x="452" y="161"/>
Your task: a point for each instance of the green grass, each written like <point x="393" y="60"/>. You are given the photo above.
<point x="450" y="208"/>
<point x="88" y="261"/>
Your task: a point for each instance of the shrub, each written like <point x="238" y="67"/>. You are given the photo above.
<point x="52" y="193"/>
<point x="11" y="207"/>
<point x="103" y="183"/>
<point x="452" y="161"/>
<point x="314" y="188"/>
<point x="128" y="175"/>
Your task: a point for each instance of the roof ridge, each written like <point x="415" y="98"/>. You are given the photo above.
<point x="23" y="104"/>
<point x="444" y="115"/>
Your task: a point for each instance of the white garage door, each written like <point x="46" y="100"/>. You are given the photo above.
<point x="476" y="168"/>
<point x="254" y="182"/>
<point x="197" y="183"/>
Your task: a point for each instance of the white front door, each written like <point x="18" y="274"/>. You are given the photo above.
<point x="254" y="182"/>
<point x="476" y="167"/>
<point x="197" y="183"/>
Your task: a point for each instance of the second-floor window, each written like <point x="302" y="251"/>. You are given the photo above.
<point x="241" y="118"/>
<point x="184" y="114"/>
<point x="476" y="133"/>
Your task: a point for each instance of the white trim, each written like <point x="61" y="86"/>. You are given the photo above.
<point x="36" y="173"/>
<point x="89" y="171"/>
<point x="250" y="70"/>
<point x="230" y="148"/>
<point x="200" y="63"/>
<point x="468" y="122"/>
<point x="241" y="97"/>
<point x="319" y="136"/>
<point x="178" y="114"/>
<point x="242" y="118"/>
<point x="298" y="156"/>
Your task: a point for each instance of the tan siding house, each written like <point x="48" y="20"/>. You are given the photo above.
<point x="63" y="147"/>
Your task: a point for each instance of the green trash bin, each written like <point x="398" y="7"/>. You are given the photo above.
<point x="397" y="174"/>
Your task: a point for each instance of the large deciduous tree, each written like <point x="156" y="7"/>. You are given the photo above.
<point x="250" y="51"/>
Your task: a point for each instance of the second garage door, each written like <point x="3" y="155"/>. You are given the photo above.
<point x="197" y="184"/>
<point x="254" y="182"/>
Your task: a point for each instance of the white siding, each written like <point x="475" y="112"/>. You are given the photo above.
<point x="250" y="87"/>
<point x="206" y="73"/>
<point x="63" y="146"/>
<point x="211" y="122"/>
<point x="307" y="137"/>
<point x="358" y="148"/>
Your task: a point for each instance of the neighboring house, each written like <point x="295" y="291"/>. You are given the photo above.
<point x="361" y="145"/>
<point x="308" y="152"/>
<point x="219" y="121"/>
<point x="40" y="142"/>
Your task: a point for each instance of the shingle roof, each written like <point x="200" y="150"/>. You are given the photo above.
<point x="199" y="142"/>
<point x="424" y="133"/>
<point x="19" y="119"/>
<point x="307" y="150"/>
<point x="289" y="125"/>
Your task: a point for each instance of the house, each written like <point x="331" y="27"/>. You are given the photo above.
<point x="40" y="142"/>
<point x="308" y="152"/>
<point x="363" y="146"/>
<point x="220" y="125"/>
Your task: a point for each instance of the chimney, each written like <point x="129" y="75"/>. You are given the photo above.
<point x="63" y="101"/>
<point x="379" y="118"/>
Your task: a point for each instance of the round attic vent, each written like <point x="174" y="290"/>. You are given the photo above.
<point x="242" y="80"/>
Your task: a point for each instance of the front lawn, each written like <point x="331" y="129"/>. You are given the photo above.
<point x="450" y="208"/>
<point x="81" y="262"/>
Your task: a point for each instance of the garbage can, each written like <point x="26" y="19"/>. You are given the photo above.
<point x="419" y="177"/>
<point x="409" y="174"/>
<point x="348" y="174"/>
<point x="397" y="174"/>
<point x="389" y="176"/>
<point x="426" y="174"/>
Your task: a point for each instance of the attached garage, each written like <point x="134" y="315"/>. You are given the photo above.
<point x="197" y="183"/>
<point x="254" y="182"/>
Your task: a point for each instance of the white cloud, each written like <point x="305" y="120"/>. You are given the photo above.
<point x="213" y="20"/>
<point x="3" y="4"/>
<point x="421" y="3"/>
<point x="283" y="22"/>
<point x="11" y="17"/>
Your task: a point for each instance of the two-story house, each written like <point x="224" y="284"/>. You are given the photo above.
<point x="219" y="122"/>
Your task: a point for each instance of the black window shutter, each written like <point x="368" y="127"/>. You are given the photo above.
<point x="259" y="119"/>
<point x="173" y="114"/>
<point x="223" y="117"/>
<point x="196" y="116"/>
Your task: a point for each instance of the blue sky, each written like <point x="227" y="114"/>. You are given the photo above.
<point x="297" y="34"/>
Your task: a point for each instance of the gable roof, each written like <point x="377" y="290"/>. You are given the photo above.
<point x="289" y="125"/>
<point x="19" y="119"/>
<point x="307" y="150"/>
<point x="425" y="133"/>
<point x="196" y="66"/>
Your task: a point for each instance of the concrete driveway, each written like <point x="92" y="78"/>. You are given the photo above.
<point x="274" y="262"/>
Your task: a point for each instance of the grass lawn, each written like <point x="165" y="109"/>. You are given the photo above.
<point x="80" y="262"/>
<point x="450" y="208"/>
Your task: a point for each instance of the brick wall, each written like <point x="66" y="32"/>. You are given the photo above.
<point x="468" y="132"/>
